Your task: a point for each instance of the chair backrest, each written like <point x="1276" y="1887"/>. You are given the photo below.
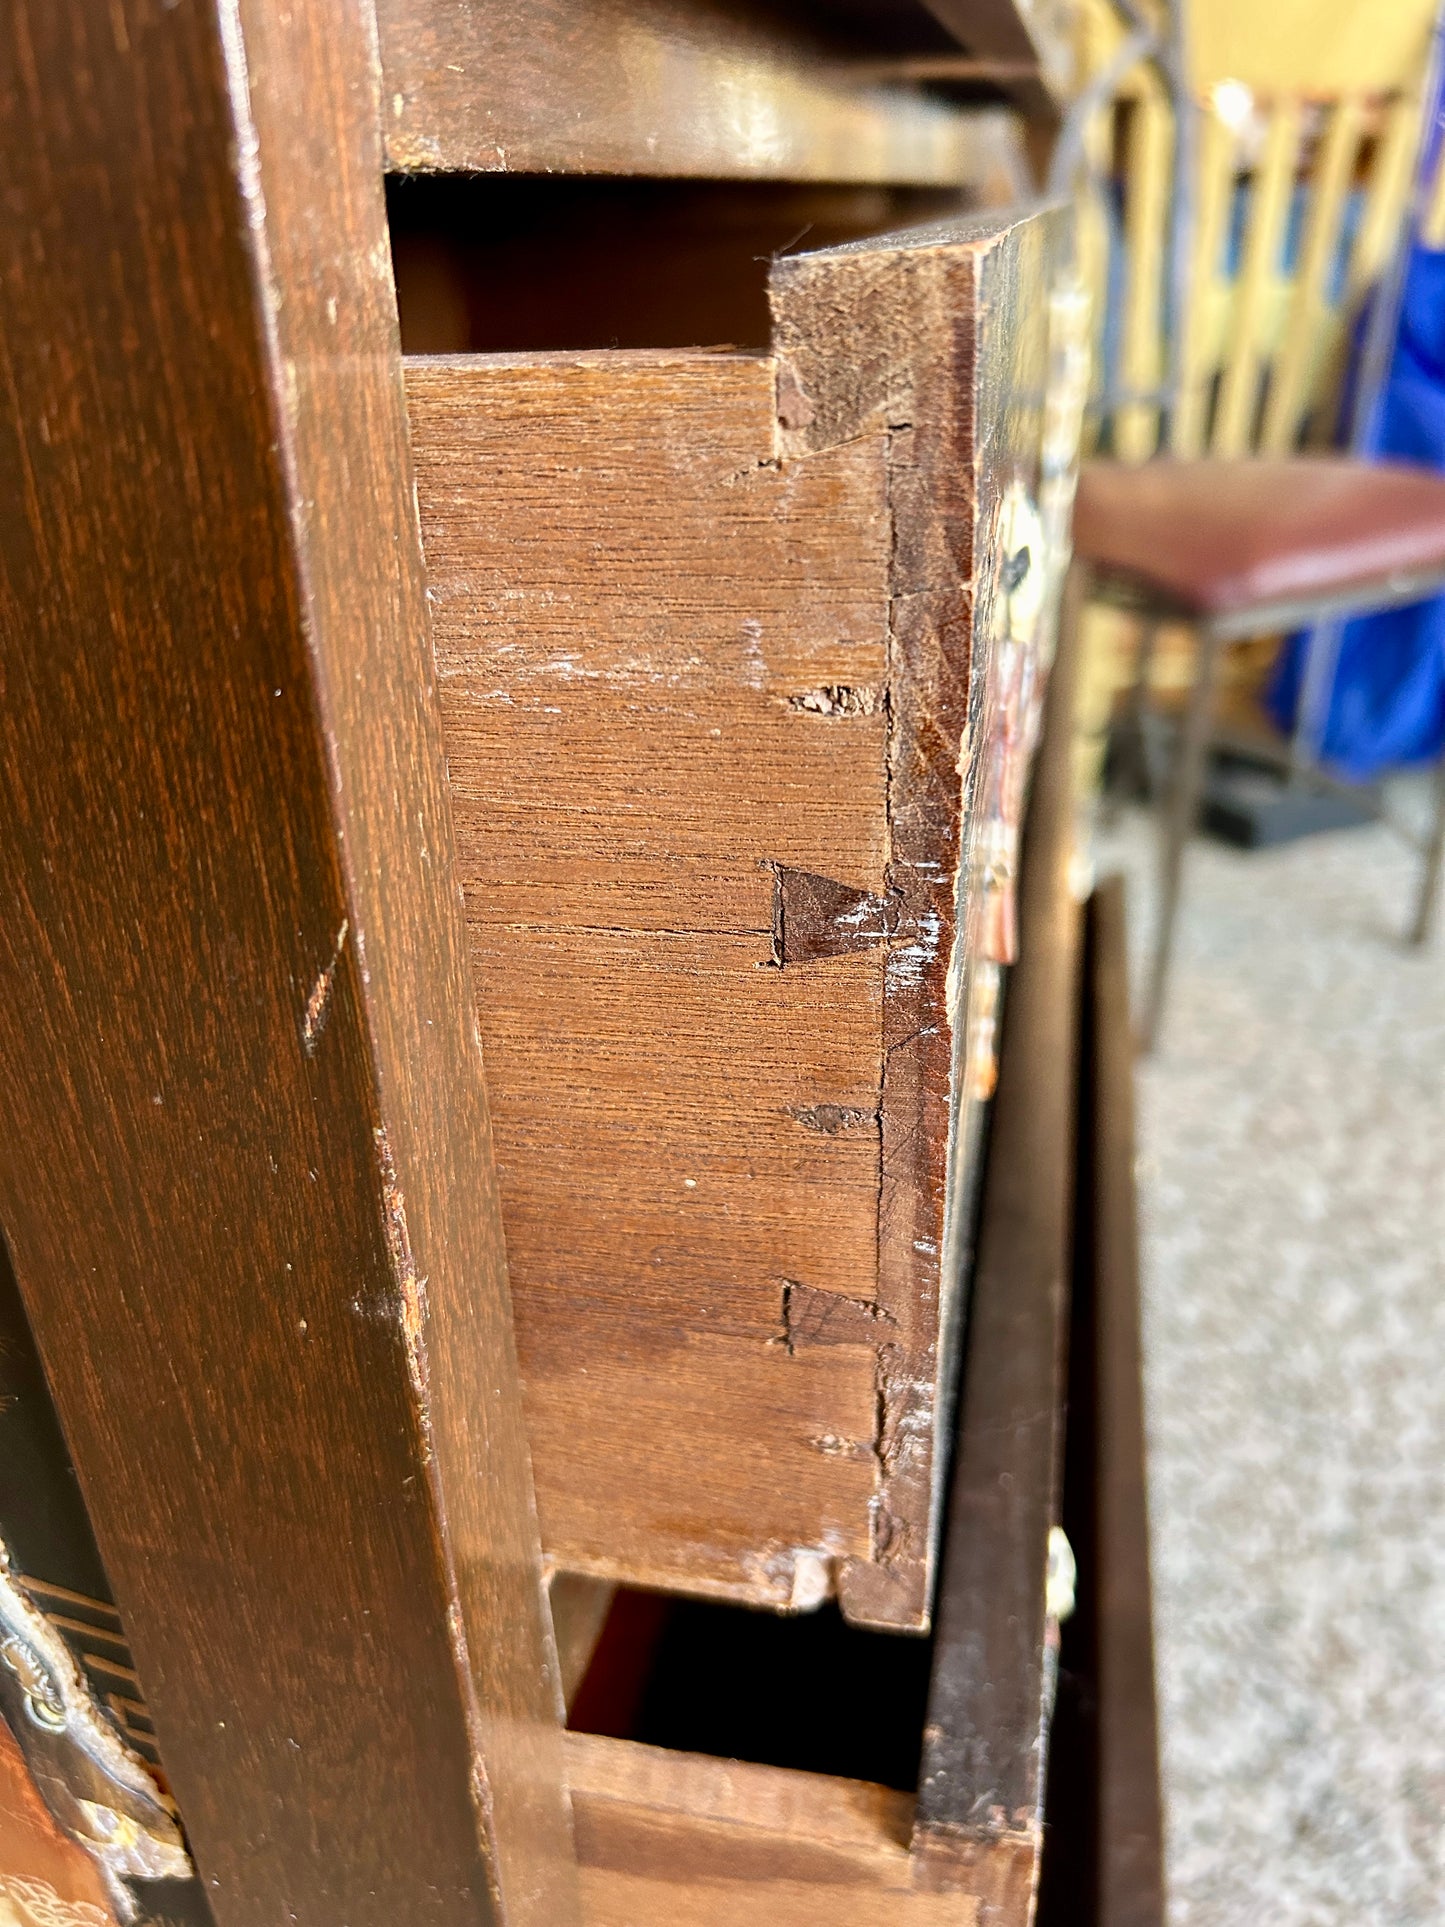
<point x="1288" y="211"/>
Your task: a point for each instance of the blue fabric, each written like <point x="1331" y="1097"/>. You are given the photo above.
<point x="1388" y="704"/>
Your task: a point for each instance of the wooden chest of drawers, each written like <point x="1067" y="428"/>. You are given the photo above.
<point x="732" y="653"/>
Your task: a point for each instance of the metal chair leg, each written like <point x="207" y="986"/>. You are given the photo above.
<point x="1133" y="775"/>
<point x="1316" y="693"/>
<point x="1434" y="864"/>
<point x="1181" y="814"/>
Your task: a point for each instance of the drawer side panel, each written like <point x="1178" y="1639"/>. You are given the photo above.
<point x="661" y="652"/>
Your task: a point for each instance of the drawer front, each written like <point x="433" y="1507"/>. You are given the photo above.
<point x="714" y="635"/>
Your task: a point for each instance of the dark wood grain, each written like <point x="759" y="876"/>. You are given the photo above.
<point x="666" y="87"/>
<point x="245" y="1174"/>
<point x="628" y="589"/>
<point x="982" y="1784"/>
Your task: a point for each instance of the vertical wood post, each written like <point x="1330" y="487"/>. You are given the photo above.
<point x="245" y="1171"/>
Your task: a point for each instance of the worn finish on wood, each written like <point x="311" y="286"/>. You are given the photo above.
<point x="982" y="1784"/>
<point x="931" y="348"/>
<point x="714" y="696"/>
<point x="666" y="87"/>
<point x="693" y="1841"/>
<point x="245" y="1176"/>
<point x="700" y="1842"/>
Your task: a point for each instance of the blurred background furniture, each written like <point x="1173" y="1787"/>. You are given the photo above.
<point x="1227" y="288"/>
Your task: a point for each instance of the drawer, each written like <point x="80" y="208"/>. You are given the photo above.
<point x="737" y="655"/>
<point x="953" y="1794"/>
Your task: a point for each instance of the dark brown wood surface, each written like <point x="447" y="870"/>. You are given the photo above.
<point x="245" y="1175"/>
<point x="721" y="89"/>
<point x="627" y="593"/>
<point x="715" y="703"/>
<point x="1120" y="1629"/>
<point x="982" y="1784"/>
<point x="1131" y="1821"/>
<point x="1104" y="1854"/>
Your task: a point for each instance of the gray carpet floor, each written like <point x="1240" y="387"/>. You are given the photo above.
<point x="1292" y="1171"/>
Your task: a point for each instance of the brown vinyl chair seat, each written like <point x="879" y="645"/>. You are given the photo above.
<point x="1216" y="538"/>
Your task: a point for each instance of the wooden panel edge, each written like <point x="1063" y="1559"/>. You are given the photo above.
<point x="1131" y="1819"/>
<point x="664" y="89"/>
<point x="986" y="1738"/>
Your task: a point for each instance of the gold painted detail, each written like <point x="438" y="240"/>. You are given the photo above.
<point x="35" y="1903"/>
<point x="98" y="1789"/>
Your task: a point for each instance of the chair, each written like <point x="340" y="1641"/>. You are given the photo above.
<point x="1238" y="545"/>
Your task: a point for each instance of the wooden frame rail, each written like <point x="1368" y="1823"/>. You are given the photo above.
<point x="245" y="1176"/>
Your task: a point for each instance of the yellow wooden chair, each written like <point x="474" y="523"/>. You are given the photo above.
<point x="1217" y="367"/>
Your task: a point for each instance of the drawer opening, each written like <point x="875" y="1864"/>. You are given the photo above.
<point x="807" y="1692"/>
<point x="511" y="263"/>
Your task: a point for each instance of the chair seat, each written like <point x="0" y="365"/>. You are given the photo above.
<point x="1217" y="538"/>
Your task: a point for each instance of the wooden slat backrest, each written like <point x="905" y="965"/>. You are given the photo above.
<point x="1269" y="206"/>
<point x="1289" y="391"/>
<point x="1295" y="207"/>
